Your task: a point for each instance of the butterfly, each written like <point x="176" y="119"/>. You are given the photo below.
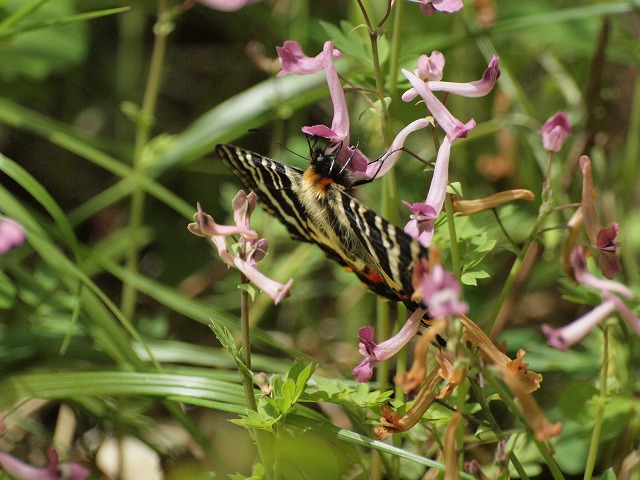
<point x="316" y="205"/>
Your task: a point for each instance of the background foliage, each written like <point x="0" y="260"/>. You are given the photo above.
<point x="81" y="146"/>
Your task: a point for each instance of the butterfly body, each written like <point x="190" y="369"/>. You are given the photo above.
<point x="315" y="205"/>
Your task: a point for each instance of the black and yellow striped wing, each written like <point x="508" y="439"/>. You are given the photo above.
<point x="378" y="252"/>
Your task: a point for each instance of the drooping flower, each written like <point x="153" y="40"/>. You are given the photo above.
<point x="421" y="225"/>
<point x="381" y="166"/>
<point x="477" y="88"/>
<point x="227" y="5"/>
<point x="11" y="235"/>
<point x="555" y="132"/>
<point x="487" y="350"/>
<point x="20" y="470"/>
<point x="469" y="207"/>
<point x="338" y="134"/>
<point x="564" y="337"/>
<point x="450" y="452"/>
<point x="394" y="423"/>
<point x="430" y="7"/>
<point x="250" y="248"/>
<point x="542" y="428"/>
<point x="374" y="352"/>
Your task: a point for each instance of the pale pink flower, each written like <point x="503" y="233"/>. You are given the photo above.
<point x="11" y="235"/>
<point x="374" y="352"/>
<point x="555" y="132"/>
<point x="477" y="88"/>
<point x="227" y="5"/>
<point x="20" y="470"/>
<point x="293" y="59"/>
<point x="565" y="337"/>
<point x="430" y="7"/>
<point x="250" y="249"/>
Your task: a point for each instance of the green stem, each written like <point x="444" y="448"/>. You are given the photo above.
<point x="247" y="381"/>
<point x="394" y="60"/>
<point x="480" y="395"/>
<point x="545" y="210"/>
<point x="453" y="237"/>
<point x="602" y="401"/>
<point x="543" y="448"/>
<point x="143" y="131"/>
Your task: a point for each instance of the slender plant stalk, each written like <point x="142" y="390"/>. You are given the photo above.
<point x="545" y="210"/>
<point x="543" y="448"/>
<point x="479" y="394"/>
<point x="602" y="401"/>
<point x="143" y="132"/>
<point x="247" y="381"/>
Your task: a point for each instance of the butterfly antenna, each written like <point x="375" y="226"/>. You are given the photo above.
<point x="383" y="159"/>
<point x="277" y="142"/>
<point x="346" y="164"/>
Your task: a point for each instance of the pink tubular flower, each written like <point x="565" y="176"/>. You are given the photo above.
<point x="227" y="5"/>
<point x="338" y="134"/>
<point x="424" y="215"/>
<point x="453" y="127"/>
<point x="430" y="7"/>
<point x="555" y="132"/>
<point x="20" y="470"/>
<point x="565" y="337"/>
<point x="439" y="289"/>
<point x="251" y="249"/>
<point x="381" y="166"/>
<point x="421" y="225"/>
<point x="374" y="352"/>
<point x="478" y="88"/>
<point x="293" y="59"/>
<point x="11" y="235"/>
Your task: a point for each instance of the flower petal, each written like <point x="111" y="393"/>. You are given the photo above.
<point x="293" y="59"/>
<point x="374" y="352"/>
<point x="555" y="132"/>
<point x="227" y="5"/>
<point x="381" y="166"/>
<point x="565" y="337"/>
<point x="453" y="127"/>
<point x="477" y="88"/>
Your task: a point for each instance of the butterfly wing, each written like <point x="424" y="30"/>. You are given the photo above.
<point x="391" y="251"/>
<point x="272" y="181"/>
<point x="380" y="254"/>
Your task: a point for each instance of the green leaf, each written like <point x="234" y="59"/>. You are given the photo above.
<point x="469" y="278"/>
<point x="35" y="51"/>
<point x="7" y="292"/>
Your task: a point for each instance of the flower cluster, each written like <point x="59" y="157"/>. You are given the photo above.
<point x="247" y="251"/>
<point x="611" y="292"/>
